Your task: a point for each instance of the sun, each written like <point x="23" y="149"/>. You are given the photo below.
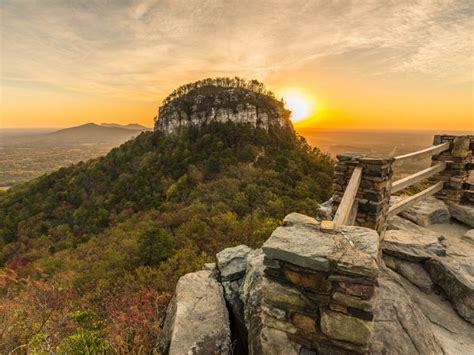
<point x="300" y="105"/>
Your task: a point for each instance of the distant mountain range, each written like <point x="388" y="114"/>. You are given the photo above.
<point x="128" y="126"/>
<point x="105" y="133"/>
<point x="91" y="132"/>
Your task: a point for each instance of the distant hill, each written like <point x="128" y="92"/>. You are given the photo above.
<point x="91" y="132"/>
<point x="26" y="154"/>
<point x="128" y="126"/>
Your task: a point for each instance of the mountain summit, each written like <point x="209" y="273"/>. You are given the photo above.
<point x="222" y="100"/>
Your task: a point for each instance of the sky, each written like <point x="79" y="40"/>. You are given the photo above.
<point x="358" y="64"/>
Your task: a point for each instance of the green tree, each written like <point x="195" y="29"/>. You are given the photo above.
<point x="155" y="245"/>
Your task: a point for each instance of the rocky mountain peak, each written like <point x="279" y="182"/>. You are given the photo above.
<point x="222" y="100"/>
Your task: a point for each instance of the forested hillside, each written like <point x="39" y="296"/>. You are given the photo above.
<point x="90" y="252"/>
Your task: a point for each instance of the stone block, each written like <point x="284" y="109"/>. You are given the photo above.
<point x="359" y="313"/>
<point x="315" y="281"/>
<point x="363" y="291"/>
<point x="460" y="147"/>
<point x="274" y="312"/>
<point x="274" y="341"/>
<point x="274" y="323"/>
<point x="353" y="302"/>
<point x="303" y="322"/>
<point x="283" y="296"/>
<point x="346" y="328"/>
<point x="321" y="300"/>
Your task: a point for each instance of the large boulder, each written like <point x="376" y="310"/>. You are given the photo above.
<point x="462" y="213"/>
<point x="232" y="262"/>
<point x="412" y="246"/>
<point x="428" y="211"/>
<point x="197" y="321"/>
<point x="413" y="272"/>
<point x="399" y="223"/>
<point x="456" y="277"/>
<point x="400" y="326"/>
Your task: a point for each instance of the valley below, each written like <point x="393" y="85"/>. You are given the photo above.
<point x="27" y="154"/>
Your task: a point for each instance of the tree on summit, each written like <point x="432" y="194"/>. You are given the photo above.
<point x="223" y="82"/>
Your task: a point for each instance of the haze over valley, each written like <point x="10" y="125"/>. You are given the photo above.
<point x="29" y="153"/>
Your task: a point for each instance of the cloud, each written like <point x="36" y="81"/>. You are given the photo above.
<point x="145" y="48"/>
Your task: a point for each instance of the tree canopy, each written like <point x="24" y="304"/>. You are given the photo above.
<point x="222" y="82"/>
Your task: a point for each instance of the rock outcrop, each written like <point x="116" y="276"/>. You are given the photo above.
<point x="400" y="326"/>
<point x="412" y="246"/>
<point x="456" y="278"/>
<point x="197" y="321"/>
<point x="399" y="223"/>
<point x="463" y="213"/>
<point x="428" y="211"/>
<point x="317" y="289"/>
<point x="413" y="272"/>
<point x="219" y="104"/>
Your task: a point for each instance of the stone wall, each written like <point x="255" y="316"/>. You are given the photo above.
<point x="318" y="287"/>
<point x="374" y="191"/>
<point x="456" y="189"/>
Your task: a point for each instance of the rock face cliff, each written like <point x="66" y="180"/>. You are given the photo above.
<point x="211" y="103"/>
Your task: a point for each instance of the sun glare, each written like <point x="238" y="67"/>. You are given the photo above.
<point x="300" y="106"/>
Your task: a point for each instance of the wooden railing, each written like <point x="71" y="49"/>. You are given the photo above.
<point x="344" y="213"/>
<point x="412" y="200"/>
<point x="417" y="177"/>
<point x="421" y="154"/>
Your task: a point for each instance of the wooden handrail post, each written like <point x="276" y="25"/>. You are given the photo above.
<point x="343" y="213"/>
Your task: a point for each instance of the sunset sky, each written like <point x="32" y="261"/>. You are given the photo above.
<point x="360" y="64"/>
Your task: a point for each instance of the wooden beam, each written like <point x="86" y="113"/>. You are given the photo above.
<point x="417" y="177"/>
<point x="412" y="200"/>
<point x="344" y="210"/>
<point x="421" y="154"/>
